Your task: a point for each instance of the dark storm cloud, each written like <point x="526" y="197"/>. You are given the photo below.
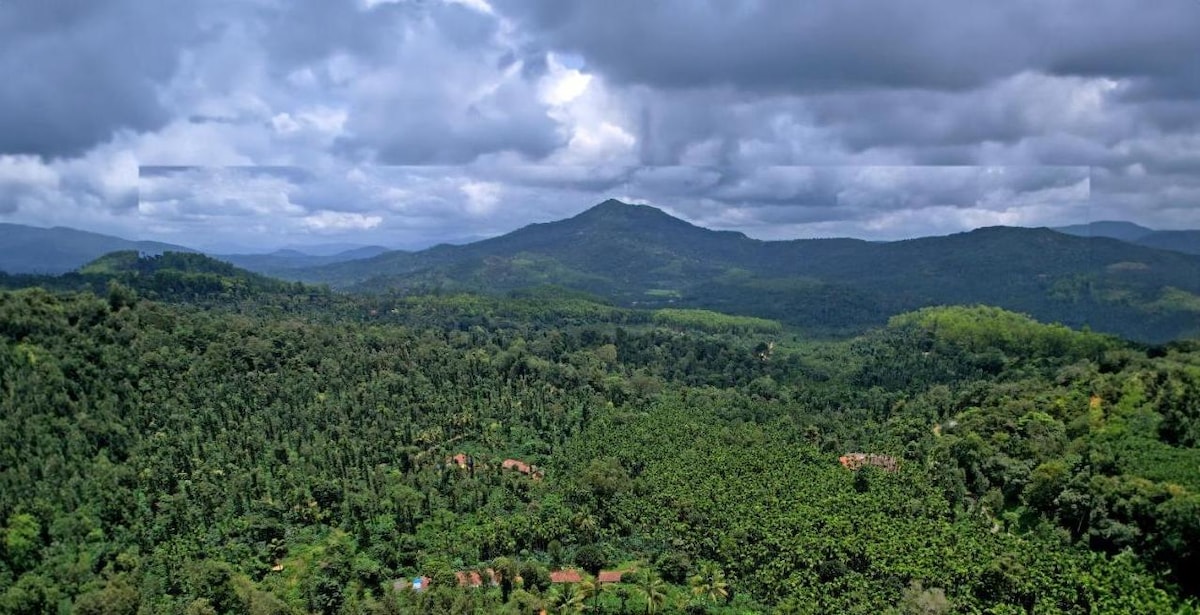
<point x="76" y="71"/>
<point x="509" y="121"/>
<point x="1109" y="83"/>
<point x="293" y="174"/>
<point x="779" y="46"/>
<point x="597" y="179"/>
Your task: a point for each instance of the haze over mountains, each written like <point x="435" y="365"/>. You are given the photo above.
<point x="1179" y="241"/>
<point x="31" y="249"/>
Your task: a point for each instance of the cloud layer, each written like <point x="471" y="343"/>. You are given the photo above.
<point x="411" y="122"/>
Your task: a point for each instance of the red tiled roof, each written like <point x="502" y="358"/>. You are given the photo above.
<point x="609" y="576"/>
<point x="565" y="576"/>
<point x="471" y="578"/>
<point x="516" y="464"/>
<point x="522" y="467"/>
<point x="855" y="461"/>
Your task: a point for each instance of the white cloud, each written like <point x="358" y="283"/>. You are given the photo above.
<point x="334" y="221"/>
<point x="479" y="5"/>
<point x="482" y="197"/>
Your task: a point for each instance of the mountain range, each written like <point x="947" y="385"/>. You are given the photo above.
<point x="1112" y="277"/>
<point x="1179" y="241"/>
<point x="31" y="249"/>
<point x="640" y="256"/>
<point x="280" y="261"/>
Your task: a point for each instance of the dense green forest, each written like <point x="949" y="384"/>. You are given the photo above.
<point x="181" y="437"/>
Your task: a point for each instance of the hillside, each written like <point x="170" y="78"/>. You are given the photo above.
<point x="613" y="248"/>
<point x="30" y="249"/>
<point x="249" y="458"/>
<point x="640" y="256"/>
<point x="175" y="276"/>
<point x="1180" y="241"/>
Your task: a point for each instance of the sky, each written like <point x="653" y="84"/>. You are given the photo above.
<point x="249" y="125"/>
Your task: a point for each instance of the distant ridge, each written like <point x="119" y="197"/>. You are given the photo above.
<point x="1179" y="241"/>
<point x="37" y="250"/>
<point x="1125" y="231"/>
<point x="293" y="258"/>
<point x="32" y="249"/>
<point x="1187" y="241"/>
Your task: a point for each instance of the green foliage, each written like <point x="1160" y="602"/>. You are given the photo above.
<point x="981" y="329"/>
<point x="292" y="451"/>
<point x="714" y="322"/>
<point x="22" y="539"/>
<point x="591" y="558"/>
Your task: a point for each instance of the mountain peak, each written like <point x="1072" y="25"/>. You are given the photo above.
<point x="612" y="207"/>
<point x="613" y="210"/>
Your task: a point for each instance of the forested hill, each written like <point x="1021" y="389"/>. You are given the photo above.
<point x="175" y="276"/>
<point x="285" y="452"/>
<point x="613" y="247"/>
<point x="638" y="255"/>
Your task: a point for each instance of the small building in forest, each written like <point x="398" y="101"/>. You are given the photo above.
<point x="565" y="576"/>
<point x="609" y="576"/>
<point x="522" y="467"/>
<point x="472" y="578"/>
<point x="855" y="461"/>
<point x="417" y="584"/>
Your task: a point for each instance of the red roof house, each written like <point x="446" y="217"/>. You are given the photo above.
<point x="516" y="464"/>
<point x="522" y="467"/>
<point x="565" y="576"/>
<point x="471" y="578"/>
<point x="854" y="461"/>
<point x="609" y="576"/>
<point x="468" y="578"/>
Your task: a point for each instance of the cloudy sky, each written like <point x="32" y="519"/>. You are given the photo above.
<point x="252" y="124"/>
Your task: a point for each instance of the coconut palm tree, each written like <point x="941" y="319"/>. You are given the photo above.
<point x="507" y="570"/>
<point x="652" y="588"/>
<point x="709" y="583"/>
<point x="590" y="588"/>
<point x="565" y="600"/>
<point x="623" y="594"/>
